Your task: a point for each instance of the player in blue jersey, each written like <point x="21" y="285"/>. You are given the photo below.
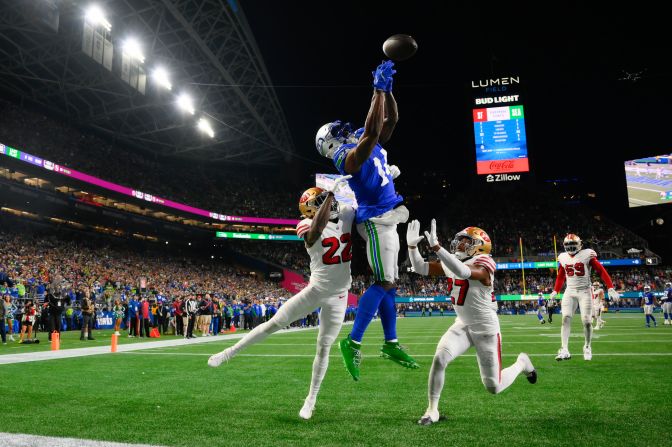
<point x="649" y="302"/>
<point x="541" y="308"/>
<point x="666" y="299"/>
<point x="379" y="211"/>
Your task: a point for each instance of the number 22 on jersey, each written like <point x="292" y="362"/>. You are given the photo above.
<point x="333" y="244"/>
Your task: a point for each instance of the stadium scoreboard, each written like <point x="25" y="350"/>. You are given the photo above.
<point x="499" y="128"/>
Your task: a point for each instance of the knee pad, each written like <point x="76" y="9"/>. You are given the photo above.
<point x="586" y="320"/>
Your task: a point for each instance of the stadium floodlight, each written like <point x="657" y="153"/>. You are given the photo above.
<point x="204" y="126"/>
<point x="161" y="78"/>
<point x="185" y="103"/>
<point x="132" y="49"/>
<point x="95" y="16"/>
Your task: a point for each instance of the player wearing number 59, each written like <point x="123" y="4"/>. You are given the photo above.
<point x="575" y="265"/>
<point x="470" y="271"/>
<point x="326" y="231"/>
<point x="379" y="210"/>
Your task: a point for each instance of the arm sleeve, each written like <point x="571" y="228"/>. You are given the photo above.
<point x="418" y="263"/>
<point x="599" y="268"/>
<point x="560" y="280"/>
<point x="303" y="227"/>
<point x="459" y="269"/>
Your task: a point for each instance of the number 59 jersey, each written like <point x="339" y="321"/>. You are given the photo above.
<point x="577" y="268"/>
<point x="331" y="254"/>
<point x="474" y="302"/>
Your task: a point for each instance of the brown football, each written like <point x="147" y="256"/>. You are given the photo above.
<point x="400" y="47"/>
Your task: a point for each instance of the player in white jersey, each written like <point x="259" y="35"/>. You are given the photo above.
<point x="598" y="305"/>
<point x="575" y="265"/>
<point x="326" y="230"/>
<point x="470" y="271"/>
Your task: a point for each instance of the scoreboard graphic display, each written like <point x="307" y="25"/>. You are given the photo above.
<point x="500" y="137"/>
<point x="501" y="142"/>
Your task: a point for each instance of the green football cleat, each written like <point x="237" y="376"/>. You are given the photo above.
<point x="393" y="351"/>
<point x="352" y="356"/>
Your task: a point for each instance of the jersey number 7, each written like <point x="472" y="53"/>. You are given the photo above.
<point x="463" y="284"/>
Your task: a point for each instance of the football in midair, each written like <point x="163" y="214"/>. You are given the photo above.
<point x="400" y="47"/>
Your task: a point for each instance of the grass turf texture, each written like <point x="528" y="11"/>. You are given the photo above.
<point x="169" y="396"/>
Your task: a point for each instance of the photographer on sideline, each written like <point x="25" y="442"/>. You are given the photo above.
<point x="57" y="299"/>
<point x="88" y="316"/>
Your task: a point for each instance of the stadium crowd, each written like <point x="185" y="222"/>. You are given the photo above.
<point x="230" y="191"/>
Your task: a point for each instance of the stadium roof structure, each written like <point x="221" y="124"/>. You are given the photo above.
<point x="207" y="47"/>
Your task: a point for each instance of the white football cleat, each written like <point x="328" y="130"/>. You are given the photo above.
<point x="215" y="360"/>
<point x="307" y="409"/>
<point x="429" y="418"/>
<point x="563" y="354"/>
<point x="528" y="368"/>
<point x="587" y="353"/>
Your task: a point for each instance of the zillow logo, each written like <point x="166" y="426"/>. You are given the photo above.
<point x="502" y="178"/>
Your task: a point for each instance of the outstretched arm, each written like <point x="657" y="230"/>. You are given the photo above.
<point x="391" y="117"/>
<point x="320" y="221"/>
<point x="372" y="129"/>
<point x="417" y="261"/>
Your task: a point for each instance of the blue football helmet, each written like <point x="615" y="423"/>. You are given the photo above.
<point x="331" y="136"/>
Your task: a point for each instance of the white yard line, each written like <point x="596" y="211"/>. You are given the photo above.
<point x="22" y="440"/>
<point x="83" y="352"/>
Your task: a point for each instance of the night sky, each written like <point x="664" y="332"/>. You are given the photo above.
<point x="583" y="118"/>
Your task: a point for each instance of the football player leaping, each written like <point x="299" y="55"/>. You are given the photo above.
<point x="326" y="230"/>
<point x="575" y="265"/>
<point x="379" y="210"/>
<point x="470" y="271"/>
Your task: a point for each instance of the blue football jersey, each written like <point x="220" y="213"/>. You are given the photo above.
<point x="668" y="295"/>
<point x="372" y="184"/>
<point x="648" y="298"/>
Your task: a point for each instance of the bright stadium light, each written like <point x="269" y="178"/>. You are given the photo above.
<point x="205" y="127"/>
<point x="132" y="49"/>
<point x="161" y="78"/>
<point x="185" y="103"/>
<point x="95" y="16"/>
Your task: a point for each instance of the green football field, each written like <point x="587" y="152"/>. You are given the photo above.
<point x="168" y="396"/>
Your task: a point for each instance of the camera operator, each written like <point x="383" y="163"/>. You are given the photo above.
<point x="57" y="299"/>
<point x="88" y="315"/>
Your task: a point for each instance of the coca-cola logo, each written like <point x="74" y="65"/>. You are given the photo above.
<point x="501" y="165"/>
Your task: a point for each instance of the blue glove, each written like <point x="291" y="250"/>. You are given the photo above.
<point x="388" y="87"/>
<point x="383" y="75"/>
